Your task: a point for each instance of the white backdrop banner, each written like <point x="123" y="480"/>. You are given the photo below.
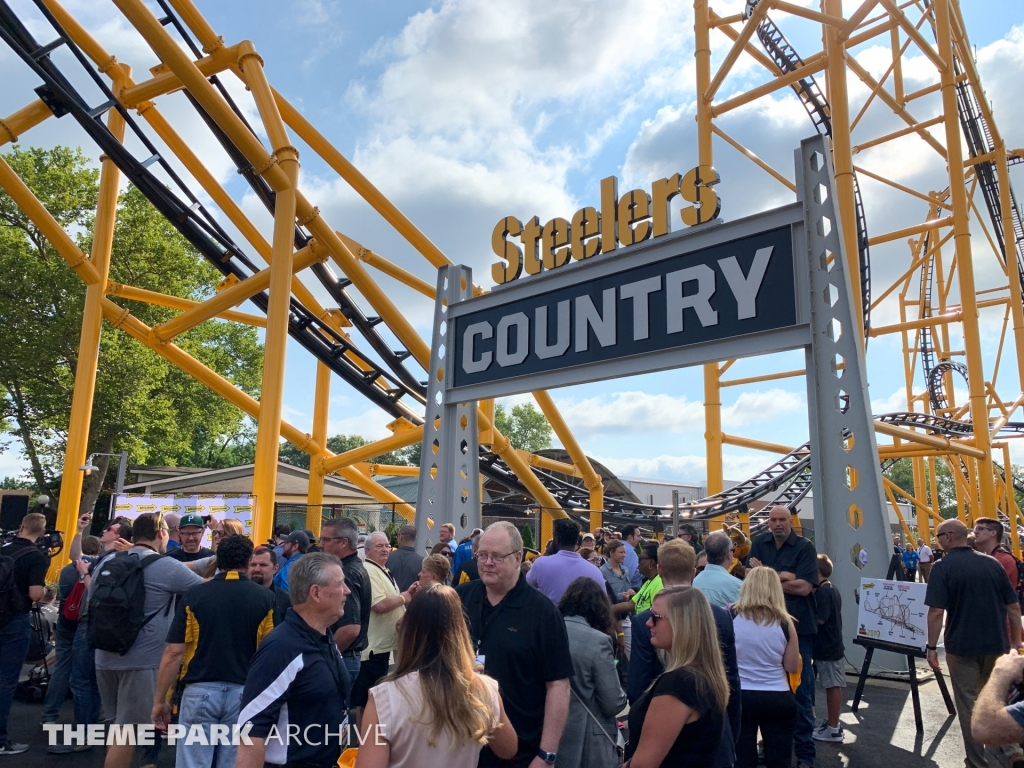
<point x="131" y="505"/>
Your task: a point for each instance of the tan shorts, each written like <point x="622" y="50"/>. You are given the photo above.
<point x="127" y="694"/>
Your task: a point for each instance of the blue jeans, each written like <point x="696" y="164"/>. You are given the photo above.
<point x="14" y="642"/>
<point x="803" y="742"/>
<point x="60" y="675"/>
<point x="208" y="704"/>
<point x="84" y="689"/>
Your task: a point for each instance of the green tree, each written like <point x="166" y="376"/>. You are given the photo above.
<point x="143" y="404"/>
<point x="404" y="457"/>
<point x="901" y="473"/>
<point x="528" y="541"/>
<point x="525" y="426"/>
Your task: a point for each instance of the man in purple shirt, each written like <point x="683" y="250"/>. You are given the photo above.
<point x="553" y="573"/>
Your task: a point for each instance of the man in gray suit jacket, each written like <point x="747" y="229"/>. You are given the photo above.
<point x="588" y="740"/>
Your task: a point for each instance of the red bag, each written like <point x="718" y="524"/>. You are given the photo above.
<point x="72" y="610"/>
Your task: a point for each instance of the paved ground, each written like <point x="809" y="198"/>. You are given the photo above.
<point x="880" y="735"/>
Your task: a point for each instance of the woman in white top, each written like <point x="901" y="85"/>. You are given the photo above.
<point x="434" y="710"/>
<point x="767" y="649"/>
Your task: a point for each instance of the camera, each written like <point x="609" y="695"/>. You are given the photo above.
<point x="50" y="543"/>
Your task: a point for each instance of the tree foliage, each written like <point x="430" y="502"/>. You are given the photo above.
<point x="525" y="426"/>
<point x="901" y="473"/>
<point x="143" y="404"/>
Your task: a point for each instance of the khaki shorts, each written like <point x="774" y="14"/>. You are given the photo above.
<point x="831" y="674"/>
<point x="127" y="694"/>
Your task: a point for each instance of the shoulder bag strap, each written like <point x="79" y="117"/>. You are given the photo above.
<point x="596" y="721"/>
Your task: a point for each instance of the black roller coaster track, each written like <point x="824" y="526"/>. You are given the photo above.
<point x="788" y="60"/>
<point x="192" y="219"/>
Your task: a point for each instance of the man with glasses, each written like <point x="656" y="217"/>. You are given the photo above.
<point x="190" y="532"/>
<point x="521" y="641"/>
<point x="988" y="539"/>
<point x="340" y="537"/>
<point x="971" y="592"/>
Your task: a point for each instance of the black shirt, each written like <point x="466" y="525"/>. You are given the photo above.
<point x="297" y="681"/>
<point x="179" y="554"/>
<point x="282" y="602"/>
<point x="468" y="571"/>
<point x="697" y="743"/>
<point x="974" y="591"/>
<point x="524" y="645"/>
<point x="828" y="643"/>
<point x="30" y="566"/>
<point x="357" y="604"/>
<point x="798" y="556"/>
<point x="405" y="564"/>
<point x="221" y="622"/>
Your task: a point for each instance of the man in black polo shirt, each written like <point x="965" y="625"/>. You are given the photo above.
<point x="796" y="562"/>
<point x="296" y="692"/>
<point x="216" y="630"/>
<point x="974" y="594"/>
<point x="340" y="537"/>
<point x="262" y="569"/>
<point x="521" y="640"/>
<point x="30" y="566"/>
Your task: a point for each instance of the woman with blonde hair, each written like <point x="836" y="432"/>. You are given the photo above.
<point x="435" y="570"/>
<point x="684" y="709"/>
<point x="767" y="650"/>
<point x="434" y="710"/>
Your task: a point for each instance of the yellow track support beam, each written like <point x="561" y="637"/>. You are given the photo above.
<point x="25" y="118"/>
<point x="757" y="445"/>
<point x="268" y="433"/>
<point x="174" y="302"/>
<point x="166" y="82"/>
<point x="965" y="263"/>
<point x="544" y="463"/>
<point x="234" y="295"/>
<point x="69" y="503"/>
<point x="591" y="479"/>
<point x="321" y="411"/>
<point x="401" y="439"/>
<point x="932" y="441"/>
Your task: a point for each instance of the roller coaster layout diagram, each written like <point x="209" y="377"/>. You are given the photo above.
<point x="892" y="611"/>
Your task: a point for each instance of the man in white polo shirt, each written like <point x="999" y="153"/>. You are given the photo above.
<point x="924" y="560"/>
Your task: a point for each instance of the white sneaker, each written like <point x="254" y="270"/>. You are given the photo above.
<point x="826" y="733"/>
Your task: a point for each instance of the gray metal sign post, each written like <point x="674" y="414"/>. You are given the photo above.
<point x="770" y="282"/>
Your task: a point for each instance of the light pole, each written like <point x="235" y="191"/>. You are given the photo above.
<point x="88" y="468"/>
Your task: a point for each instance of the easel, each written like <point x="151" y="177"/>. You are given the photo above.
<point x="911" y="654"/>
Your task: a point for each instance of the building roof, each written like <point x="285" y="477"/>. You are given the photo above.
<point x="291" y="481"/>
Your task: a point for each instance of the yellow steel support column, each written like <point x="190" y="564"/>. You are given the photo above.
<point x="705" y="154"/>
<point x="924" y="526"/>
<point x="268" y="436"/>
<point x="321" y="410"/>
<point x="1012" y="262"/>
<point x="68" y="508"/>
<point x="842" y="154"/>
<point x="591" y="479"/>
<point x="964" y="260"/>
<point x="17" y="123"/>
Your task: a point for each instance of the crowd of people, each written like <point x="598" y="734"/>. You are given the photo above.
<point x="607" y="648"/>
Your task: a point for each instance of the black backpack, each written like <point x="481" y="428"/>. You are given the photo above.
<point x="12" y="602"/>
<point x="117" y="604"/>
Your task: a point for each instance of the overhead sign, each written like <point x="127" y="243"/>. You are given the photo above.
<point x="626" y="220"/>
<point x="131" y="505"/>
<point x="685" y="291"/>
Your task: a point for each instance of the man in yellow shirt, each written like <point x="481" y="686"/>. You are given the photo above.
<point x="648" y="566"/>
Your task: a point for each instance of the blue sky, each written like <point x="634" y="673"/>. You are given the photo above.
<point x="466" y="111"/>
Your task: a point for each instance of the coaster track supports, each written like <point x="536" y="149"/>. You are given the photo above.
<point x="89" y="345"/>
<point x="962" y="245"/>
<point x="321" y="412"/>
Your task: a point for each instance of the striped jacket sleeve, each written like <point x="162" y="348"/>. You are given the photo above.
<point x="271" y="675"/>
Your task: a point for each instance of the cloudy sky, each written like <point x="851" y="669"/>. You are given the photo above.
<point x="466" y="111"/>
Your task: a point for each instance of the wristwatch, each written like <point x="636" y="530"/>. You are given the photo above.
<point x="547" y="757"/>
<point x="931" y="648"/>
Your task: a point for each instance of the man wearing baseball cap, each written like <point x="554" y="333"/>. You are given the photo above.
<point x="295" y="545"/>
<point x="190" y="533"/>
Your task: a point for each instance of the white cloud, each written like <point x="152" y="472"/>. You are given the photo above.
<point x="687" y="468"/>
<point x="636" y="413"/>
